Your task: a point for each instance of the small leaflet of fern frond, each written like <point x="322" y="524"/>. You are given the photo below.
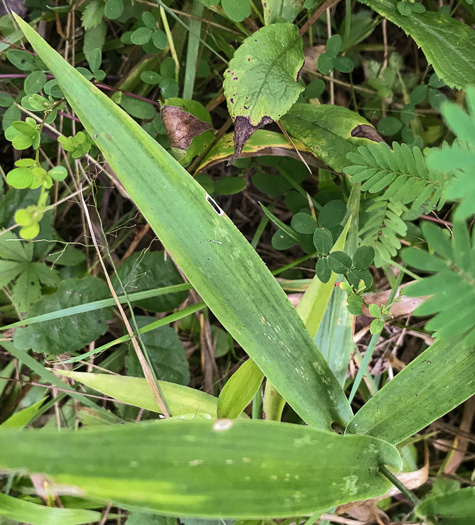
<point x="378" y="152"/>
<point x="418" y="187"/>
<point x="422" y="197"/>
<point x="355" y="169"/>
<point x="407" y="152"/>
<point x="449" y="325"/>
<point x="364" y="175"/>
<point x="398" y="155"/>
<point x="389" y="239"/>
<point x="376" y="183"/>
<point x="381" y="255"/>
<point x="461" y="246"/>
<point x="356" y="159"/>
<point x="369" y="160"/>
<point x="405" y="193"/>
<point x="420" y="162"/>
<point x="379" y="203"/>
<point x="394" y="187"/>
<point x="436" y="200"/>
<point x="398" y="226"/>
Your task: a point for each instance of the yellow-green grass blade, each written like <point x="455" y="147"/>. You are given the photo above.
<point x="437" y="381"/>
<point x="28" y="512"/>
<point x="222" y="468"/>
<point x="213" y="254"/>
<point x="135" y="391"/>
<point x="239" y="390"/>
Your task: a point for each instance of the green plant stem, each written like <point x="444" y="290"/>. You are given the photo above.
<point x="346" y="34"/>
<point x="258" y="13"/>
<point x="372" y="344"/>
<point x="173" y="52"/>
<point x="257" y="404"/>
<point x="294" y="263"/>
<point x="399" y="485"/>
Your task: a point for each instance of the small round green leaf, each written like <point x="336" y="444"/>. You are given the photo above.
<point x="418" y="94"/>
<point x="141" y="36"/>
<point x="149" y="20"/>
<point x="374" y="310"/>
<point x="58" y="173"/>
<point x="21" y="142"/>
<point x="167" y="68"/>
<point x="303" y="223"/>
<point x="52" y="89"/>
<point x="230" y="185"/>
<point x="355" y="304"/>
<point x="168" y="88"/>
<point x="354" y="277"/>
<point x="325" y="64"/>
<point x="332" y="214"/>
<point x="137" y="108"/>
<point x="114" y="9"/>
<point x="363" y="257"/>
<point x="339" y="262"/>
<point x="323" y="240"/>
<point x="20" y="178"/>
<point x="159" y="39"/>
<point x="408" y="113"/>
<point x="334" y="45"/>
<point x="34" y="82"/>
<point x="376" y="326"/>
<point x="323" y="270"/>
<point x="150" y="77"/>
<point x="389" y="126"/>
<point x="343" y="64"/>
<point x="282" y="241"/>
<point x="315" y="88"/>
<point x="236" y="10"/>
<point x="404" y="9"/>
<point x="6" y="100"/>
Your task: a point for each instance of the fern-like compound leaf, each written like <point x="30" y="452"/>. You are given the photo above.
<point x="451" y="286"/>
<point x="382" y="228"/>
<point x="401" y="170"/>
<point x="459" y="158"/>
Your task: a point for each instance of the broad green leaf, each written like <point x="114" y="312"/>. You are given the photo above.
<point x="456" y="504"/>
<point x="71" y="333"/>
<point x="145" y="271"/>
<point x="136" y="391"/>
<point x="222" y="468"/>
<point x="216" y="258"/>
<point x="28" y="512"/>
<point x="260" y="83"/>
<point x="447" y="43"/>
<point x="430" y="386"/>
<point x="278" y="10"/>
<point x="330" y="132"/>
<point x="262" y="142"/>
<point x="23" y="417"/>
<point x="166" y="353"/>
<point x="239" y="390"/>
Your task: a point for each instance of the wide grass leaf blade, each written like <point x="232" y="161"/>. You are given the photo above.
<point x="223" y="468"/>
<point x="217" y="259"/>
<point x="458" y="504"/>
<point x="437" y="381"/>
<point x="28" y="512"/>
<point x="135" y="391"/>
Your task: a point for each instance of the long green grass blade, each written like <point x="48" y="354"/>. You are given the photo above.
<point x="213" y="254"/>
<point x="437" y="381"/>
<point x="223" y="468"/>
<point x="135" y="391"/>
<point x="28" y="512"/>
<point x="239" y="390"/>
